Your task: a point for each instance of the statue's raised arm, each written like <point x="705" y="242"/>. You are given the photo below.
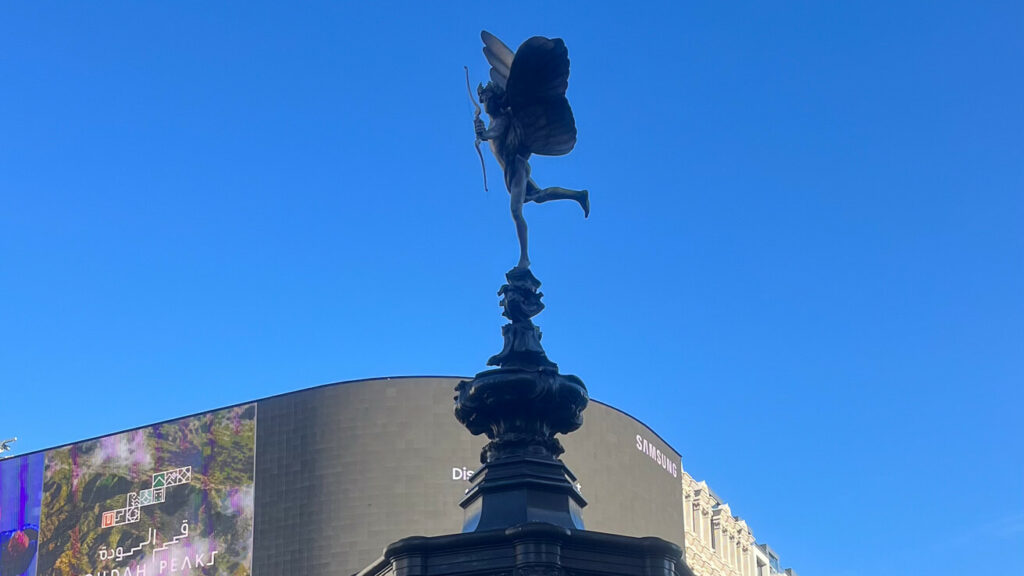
<point x="529" y="114"/>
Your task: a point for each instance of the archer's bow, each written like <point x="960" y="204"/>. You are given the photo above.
<point x="476" y="116"/>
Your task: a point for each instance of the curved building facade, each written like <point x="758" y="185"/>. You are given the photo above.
<point x="313" y="482"/>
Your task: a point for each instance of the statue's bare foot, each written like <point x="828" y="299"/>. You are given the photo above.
<point x="584" y="201"/>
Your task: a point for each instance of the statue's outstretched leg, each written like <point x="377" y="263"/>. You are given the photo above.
<point x="540" y="195"/>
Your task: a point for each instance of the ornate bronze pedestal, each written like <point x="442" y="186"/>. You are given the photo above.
<point x="520" y="406"/>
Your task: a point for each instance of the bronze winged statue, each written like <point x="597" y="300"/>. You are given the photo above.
<point x="529" y="114"/>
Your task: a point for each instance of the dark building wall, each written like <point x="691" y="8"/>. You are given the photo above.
<point x="343" y="470"/>
<point x="628" y="491"/>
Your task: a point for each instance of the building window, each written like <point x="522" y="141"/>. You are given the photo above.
<point x="687" y="510"/>
<point x="714" y="538"/>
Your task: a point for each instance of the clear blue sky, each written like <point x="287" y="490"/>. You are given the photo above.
<point x="804" y="266"/>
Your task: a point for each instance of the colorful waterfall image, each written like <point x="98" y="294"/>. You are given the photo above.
<point x="21" y="490"/>
<point x="174" y="498"/>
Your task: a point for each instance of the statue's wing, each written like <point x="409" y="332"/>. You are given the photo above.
<point x="499" y="56"/>
<point x="537" y="81"/>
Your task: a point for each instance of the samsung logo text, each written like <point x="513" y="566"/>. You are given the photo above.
<point x="657" y="455"/>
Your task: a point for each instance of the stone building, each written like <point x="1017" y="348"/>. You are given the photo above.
<point x="719" y="543"/>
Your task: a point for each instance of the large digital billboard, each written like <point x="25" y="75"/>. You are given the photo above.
<point x="630" y="476"/>
<point x="344" y="470"/>
<point x="330" y="476"/>
<point x="174" y="498"/>
<point x="21" y="489"/>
